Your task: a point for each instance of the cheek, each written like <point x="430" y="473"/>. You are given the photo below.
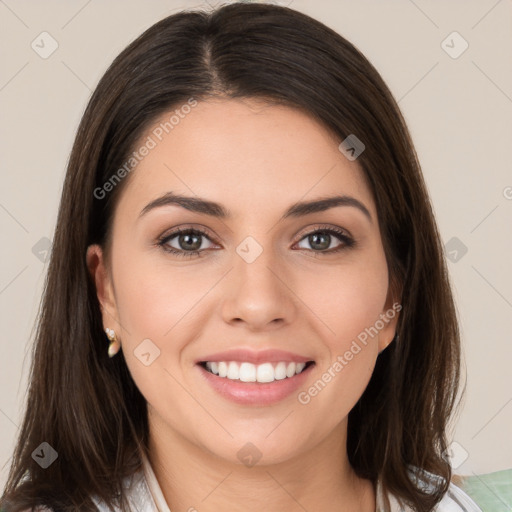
<point x="348" y="311"/>
<point x="154" y="302"/>
<point x="347" y="299"/>
<point x="153" y="296"/>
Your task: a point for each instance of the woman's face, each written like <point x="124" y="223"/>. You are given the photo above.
<point x="263" y="281"/>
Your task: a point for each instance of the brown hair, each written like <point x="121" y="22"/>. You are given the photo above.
<point x="87" y="406"/>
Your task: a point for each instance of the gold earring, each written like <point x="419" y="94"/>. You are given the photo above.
<point x="114" y="346"/>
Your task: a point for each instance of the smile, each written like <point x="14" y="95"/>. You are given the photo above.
<point x="266" y="383"/>
<point x="248" y="372"/>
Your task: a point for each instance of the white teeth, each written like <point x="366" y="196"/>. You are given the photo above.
<point x="280" y="371"/>
<point x="248" y="372"/>
<point x="266" y="373"/>
<point x="233" y="370"/>
<point x="223" y="369"/>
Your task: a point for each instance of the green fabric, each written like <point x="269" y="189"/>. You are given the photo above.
<point x="492" y="492"/>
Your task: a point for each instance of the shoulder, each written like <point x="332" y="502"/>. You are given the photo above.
<point x="454" y="500"/>
<point x="136" y="493"/>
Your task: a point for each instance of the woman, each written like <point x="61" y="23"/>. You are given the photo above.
<point x="247" y="305"/>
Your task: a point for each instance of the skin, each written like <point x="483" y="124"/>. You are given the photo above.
<point x="256" y="160"/>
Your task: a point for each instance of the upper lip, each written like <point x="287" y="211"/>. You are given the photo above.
<point x="255" y="357"/>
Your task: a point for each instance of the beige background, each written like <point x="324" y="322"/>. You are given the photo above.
<point x="459" y="111"/>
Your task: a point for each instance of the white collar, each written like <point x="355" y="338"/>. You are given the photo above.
<point x="154" y="488"/>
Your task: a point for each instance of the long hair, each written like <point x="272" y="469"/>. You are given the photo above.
<point x="87" y="406"/>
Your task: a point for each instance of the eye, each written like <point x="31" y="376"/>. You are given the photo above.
<point x="321" y="239"/>
<point x="188" y="241"/>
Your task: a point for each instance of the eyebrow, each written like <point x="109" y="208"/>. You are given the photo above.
<point x="299" y="209"/>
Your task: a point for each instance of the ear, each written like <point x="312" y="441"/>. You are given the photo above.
<point x="389" y="316"/>
<point x="98" y="269"/>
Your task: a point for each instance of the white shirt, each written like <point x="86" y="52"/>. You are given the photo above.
<point x="145" y="495"/>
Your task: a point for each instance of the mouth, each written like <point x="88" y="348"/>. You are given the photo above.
<point x="256" y="385"/>
<point x="263" y="373"/>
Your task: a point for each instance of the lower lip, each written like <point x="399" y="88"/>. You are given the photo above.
<point x="255" y="393"/>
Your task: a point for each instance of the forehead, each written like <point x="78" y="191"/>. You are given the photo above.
<point x="245" y="154"/>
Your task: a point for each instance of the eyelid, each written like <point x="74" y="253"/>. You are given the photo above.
<point x="186" y="227"/>
<point x="320" y="227"/>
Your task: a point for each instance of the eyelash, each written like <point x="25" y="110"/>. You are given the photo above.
<point x="338" y="233"/>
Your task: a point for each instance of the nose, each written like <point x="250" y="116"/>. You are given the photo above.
<point x="258" y="295"/>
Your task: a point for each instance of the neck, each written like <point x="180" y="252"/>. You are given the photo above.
<point x="192" y="478"/>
